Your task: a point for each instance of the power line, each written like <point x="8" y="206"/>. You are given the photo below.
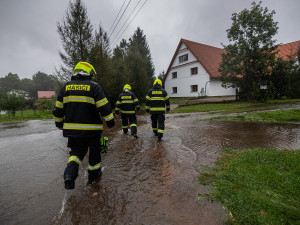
<point x="130" y="22"/>
<point x="120" y="19"/>
<point x="117" y="16"/>
<point x="126" y="20"/>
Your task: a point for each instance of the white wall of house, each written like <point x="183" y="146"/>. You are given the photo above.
<point x="185" y="80"/>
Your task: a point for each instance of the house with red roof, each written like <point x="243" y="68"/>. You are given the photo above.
<point x="45" y="94"/>
<point x="193" y="70"/>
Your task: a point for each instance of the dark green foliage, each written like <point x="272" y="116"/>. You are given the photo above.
<point x="76" y="33"/>
<point x="10" y="82"/>
<point x="130" y="62"/>
<point x="12" y="102"/>
<point x="295" y="82"/>
<point x="249" y="60"/>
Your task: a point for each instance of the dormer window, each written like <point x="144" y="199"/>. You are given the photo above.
<point x="183" y="58"/>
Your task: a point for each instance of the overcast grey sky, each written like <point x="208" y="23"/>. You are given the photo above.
<point x="29" y="41"/>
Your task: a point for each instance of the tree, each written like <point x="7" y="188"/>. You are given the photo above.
<point x="12" y="102"/>
<point x="295" y="81"/>
<point x="138" y="43"/>
<point x="10" y="82"/>
<point x="249" y="60"/>
<point x="76" y="33"/>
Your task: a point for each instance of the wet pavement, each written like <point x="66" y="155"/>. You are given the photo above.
<point x="143" y="181"/>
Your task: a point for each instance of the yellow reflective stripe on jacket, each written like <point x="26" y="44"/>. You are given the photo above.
<point x="157" y="109"/>
<point x="128" y="112"/>
<point x="74" y="158"/>
<point x="97" y="166"/>
<point x="118" y="102"/>
<point x="127" y="101"/>
<point x="147" y="107"/>
<point x="167" y="97"/>
<point x="147" y="97"/>
<point x="101" y="102"/>
<point x="109" y="117"/>
<point x="58" y="119"/>
<point x="59" y="104"/>
<point x="136" y="100"/>
<point x="82" y="126"/>
<point x="158" y="98"/>
<point x="75" y="98"/>
<point x="133" y="125"/>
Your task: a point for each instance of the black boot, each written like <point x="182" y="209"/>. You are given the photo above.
<point x="69" y="183"/>
<point x="93" y="178"/>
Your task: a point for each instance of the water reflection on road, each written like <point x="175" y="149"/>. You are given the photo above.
<point x="144" y="181"/>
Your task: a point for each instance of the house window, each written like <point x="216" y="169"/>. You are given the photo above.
<point x="183" y="58"/>
<point x="194" y="70"/>
<point x="194" y="88"/>
<point x="174" y="75"/>
<point x="174" y="90"/>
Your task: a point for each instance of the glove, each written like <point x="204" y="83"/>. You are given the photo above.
<point x="103" y="144"/>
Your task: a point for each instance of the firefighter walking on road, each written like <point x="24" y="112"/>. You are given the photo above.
<point x="157" y="102"/>
<point x="128" y="104"/>
<point x="77" y="112"/>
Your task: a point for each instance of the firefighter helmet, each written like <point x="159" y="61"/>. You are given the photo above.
<point x="84" y="69"/>
<point x="157" y="81"/>
<point x="127" y="86"/>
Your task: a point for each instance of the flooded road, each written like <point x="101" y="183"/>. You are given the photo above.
<point x="143" y="182"/>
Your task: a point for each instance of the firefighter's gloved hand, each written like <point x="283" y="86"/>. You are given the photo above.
<point x="103" y="144"/>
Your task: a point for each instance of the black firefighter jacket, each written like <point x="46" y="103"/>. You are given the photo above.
<point x="157" y="100"/>
<point x="127" y="103"/>
<point x="77" y="109"/>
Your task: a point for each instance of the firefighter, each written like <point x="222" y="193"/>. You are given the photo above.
<point x="157" y="102"/>
<point x="77" y="112"/>
<point x="128" y="104"/>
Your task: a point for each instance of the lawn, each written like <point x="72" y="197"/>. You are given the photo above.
<point x="232" y="107"/>
<point x="257" y="186"/>
<point x="281" y="116"/>
<point x="26" y="115"/>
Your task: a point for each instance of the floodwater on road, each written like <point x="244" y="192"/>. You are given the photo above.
<point x="143" y="181"/>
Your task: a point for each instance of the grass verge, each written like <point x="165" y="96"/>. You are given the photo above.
<point x="258" y="186"/>
<point x="232" y="107"/>
<point x="26" y="115"/>
<point x="281" y="116"/>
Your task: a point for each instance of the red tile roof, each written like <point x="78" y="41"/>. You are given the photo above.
<point x="45" y="94"/>
<point x="290" y="49"/>
<point x="210" y="57"/>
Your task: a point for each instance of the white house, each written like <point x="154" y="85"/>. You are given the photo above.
<point x="193" y="70"/>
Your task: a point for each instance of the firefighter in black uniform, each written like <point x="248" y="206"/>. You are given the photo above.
<point x="76" y="112"/>
<point x="157" y="102"/>
<point x="128" y="104"/>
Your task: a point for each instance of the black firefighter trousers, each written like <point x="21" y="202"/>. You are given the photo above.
<point x="132" y="122"/>
<point x="79" y="148"/>
<point x="158" y="124"/>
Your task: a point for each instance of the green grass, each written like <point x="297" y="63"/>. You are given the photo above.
<point x="232" y="107"/>
<point x="258" y="186"/>
<point x="26" y="115"/>
<point x="282" y="116"/>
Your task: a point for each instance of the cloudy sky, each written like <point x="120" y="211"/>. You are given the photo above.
<point x="29" y="41"/>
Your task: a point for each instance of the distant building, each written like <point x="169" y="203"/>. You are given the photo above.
<point x="193" y="70"/>
<point x="45" y="94"/>
<point x="19" y="93"/>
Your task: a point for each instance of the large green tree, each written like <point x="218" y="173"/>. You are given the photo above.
<point x="251" y="54"/>
<point x="76" y="33"/>
<point x="10" y="82"/>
